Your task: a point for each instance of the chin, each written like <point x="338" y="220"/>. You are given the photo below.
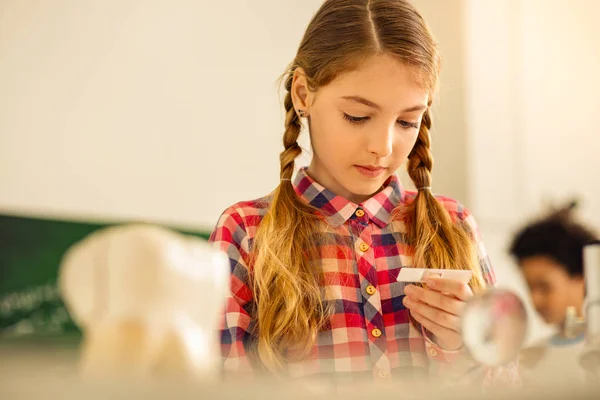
<point x="365" y="189"/>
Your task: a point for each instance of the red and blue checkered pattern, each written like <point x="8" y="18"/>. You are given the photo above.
<point x="358" y="250"/>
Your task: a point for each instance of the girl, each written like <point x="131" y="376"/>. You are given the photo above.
<point x="314" y="264"/>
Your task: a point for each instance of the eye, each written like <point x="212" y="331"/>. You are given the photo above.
<point x="356" y="120"/>
<point x="408" y="125"/>
<point x="543" y="288"/>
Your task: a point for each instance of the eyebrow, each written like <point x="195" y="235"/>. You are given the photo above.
<point x="369" y="103"/>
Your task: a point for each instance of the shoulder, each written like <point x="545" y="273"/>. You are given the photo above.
<point x="241" y="220"/>
<point x="456" y="209"/>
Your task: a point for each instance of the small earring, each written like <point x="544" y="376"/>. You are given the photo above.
<point x="301" y="113"/>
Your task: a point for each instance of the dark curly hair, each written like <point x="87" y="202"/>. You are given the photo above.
<point x="556" y="236"/>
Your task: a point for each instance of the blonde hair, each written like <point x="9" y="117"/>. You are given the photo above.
<point x="286" y="278"/>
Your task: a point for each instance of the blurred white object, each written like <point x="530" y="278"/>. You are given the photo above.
<point x="422" y="274"/>
<point x="574" y="325"/>
<point x="148" y="302"/>
<point x="590" y="356"/>
<point x="494" y="327"/>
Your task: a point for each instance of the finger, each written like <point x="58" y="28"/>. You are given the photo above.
<point x="441" y="332"/>
<point x="439" y="317"/>
<point x="460" y="290"/>
<point x="436" y="299"/>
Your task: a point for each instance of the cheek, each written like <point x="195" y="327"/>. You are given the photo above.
<point x="404" y="145"/>
<point x="554" y="300"/>
<point x="334" y="147"/>
<point x="332" y="138"/>
<point x="539" y="298"/>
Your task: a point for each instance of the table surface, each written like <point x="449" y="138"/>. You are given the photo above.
<point x="34" y="369"/>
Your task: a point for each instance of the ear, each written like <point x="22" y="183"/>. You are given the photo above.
<point x="302" y="96"/>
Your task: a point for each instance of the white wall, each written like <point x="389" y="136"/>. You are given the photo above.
<point x="560" y="64"/>
<point x="147" y="109"/>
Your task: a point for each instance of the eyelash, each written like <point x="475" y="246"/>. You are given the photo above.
<point x="362" y="120"/>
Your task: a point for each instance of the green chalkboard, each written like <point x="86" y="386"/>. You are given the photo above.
<point x="30" y="252"/>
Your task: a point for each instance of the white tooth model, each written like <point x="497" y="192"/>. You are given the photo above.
<point x="148" y="301"/>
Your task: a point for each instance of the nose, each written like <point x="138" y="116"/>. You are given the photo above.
<point x="380" y="141"/>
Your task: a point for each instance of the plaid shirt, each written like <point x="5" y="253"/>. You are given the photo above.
<point x="370" y="333"/>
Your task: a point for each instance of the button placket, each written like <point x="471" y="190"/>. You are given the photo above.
<point x="367" y="269"/>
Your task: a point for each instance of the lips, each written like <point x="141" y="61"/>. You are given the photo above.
<point x="370" y="171"/>
<point x="370" y="167"/>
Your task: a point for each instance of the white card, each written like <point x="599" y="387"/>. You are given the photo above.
<point x="421" y="274"/>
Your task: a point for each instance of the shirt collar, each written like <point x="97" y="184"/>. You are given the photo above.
<point x="338" y="210"/>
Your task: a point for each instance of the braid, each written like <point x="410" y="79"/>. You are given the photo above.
<point x="438" y="241"/>
<point x="420" y="161"/>
<point x="292" y="130"/>
<point x="289" y="306"/>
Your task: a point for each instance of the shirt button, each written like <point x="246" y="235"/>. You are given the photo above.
<point x="376" y="333"/>
<point x="433" y="352"/>
<point x="359" y="213"/>
<point x="363" y="247"/>
<point x="370" y="290"/>
<point x="382" y="374"/>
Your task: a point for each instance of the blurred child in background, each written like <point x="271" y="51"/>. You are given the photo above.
<point x="549" y="252"/>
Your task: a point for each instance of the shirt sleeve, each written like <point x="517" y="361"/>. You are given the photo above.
<point x="458" y="367"/>
<point x="231" y="237"/>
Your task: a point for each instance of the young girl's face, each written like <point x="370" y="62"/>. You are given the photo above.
<point x="363" y="125"/>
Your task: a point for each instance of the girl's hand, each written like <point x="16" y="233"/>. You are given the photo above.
<point x="439" y="308"/>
